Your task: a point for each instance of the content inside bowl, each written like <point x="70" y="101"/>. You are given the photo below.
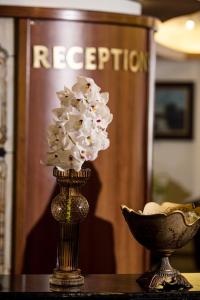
<point x="191" y="214"/>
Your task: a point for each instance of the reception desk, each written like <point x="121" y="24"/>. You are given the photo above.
<point x="52" y="47"/>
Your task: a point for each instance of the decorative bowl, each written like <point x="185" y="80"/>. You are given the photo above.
<point x="163" y="228"/>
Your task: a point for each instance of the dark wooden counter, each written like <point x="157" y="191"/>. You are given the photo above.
<point x="96" y="287"/>
<point x="128" y="76"/>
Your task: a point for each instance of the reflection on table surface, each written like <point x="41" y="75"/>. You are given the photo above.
<point x="94" y="284"/>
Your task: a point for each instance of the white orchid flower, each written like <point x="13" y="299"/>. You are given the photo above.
<point x="78" y="131"/>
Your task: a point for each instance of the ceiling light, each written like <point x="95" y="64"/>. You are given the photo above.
<point x="181" y="34"/>
<point x="189" y="24"/>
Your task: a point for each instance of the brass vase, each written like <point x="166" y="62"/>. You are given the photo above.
<point x="69" y="208"/>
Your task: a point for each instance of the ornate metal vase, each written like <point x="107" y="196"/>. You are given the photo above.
<point x="164" y="233"/>
<point x="69" y="208"/>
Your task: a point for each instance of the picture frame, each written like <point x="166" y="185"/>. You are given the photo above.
<point x="174" y="110"/>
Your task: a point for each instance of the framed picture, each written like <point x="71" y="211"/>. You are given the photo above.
<point x="174" y="110"/>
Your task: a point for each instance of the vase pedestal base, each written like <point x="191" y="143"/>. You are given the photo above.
<point x="65" y="279"/>
<point x="160" y="281"/>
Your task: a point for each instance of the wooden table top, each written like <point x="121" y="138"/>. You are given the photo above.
<point x="95" y="287"/>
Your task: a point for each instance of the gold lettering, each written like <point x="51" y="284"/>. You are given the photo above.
<point x="90" y="58"/>
<point x="103" y="57"/>
<point x="143" y="57"/>
<point x="116" y="54"/>
<point x="70" y="58"/>
<point x="40" y="57"/>
<point x="125" y="60"/>
<point x="146" y="61"/>
<point x="59" y="57"/>
<point x="134" y="61"/>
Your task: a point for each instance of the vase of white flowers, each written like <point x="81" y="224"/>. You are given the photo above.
<point x="77" y="134"/>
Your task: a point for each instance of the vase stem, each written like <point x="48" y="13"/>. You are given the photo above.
<point x="68" y="247"/>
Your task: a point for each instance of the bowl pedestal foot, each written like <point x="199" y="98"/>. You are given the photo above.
<point x="164" y="278"/>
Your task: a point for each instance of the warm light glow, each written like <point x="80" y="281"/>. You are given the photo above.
<point x="181" y="34"/>
<point x="189" y="24"/>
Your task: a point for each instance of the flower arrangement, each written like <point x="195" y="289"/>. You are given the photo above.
<point x="78" y="131"/>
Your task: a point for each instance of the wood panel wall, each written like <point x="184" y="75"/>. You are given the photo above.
<point x="120" y="175"/>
